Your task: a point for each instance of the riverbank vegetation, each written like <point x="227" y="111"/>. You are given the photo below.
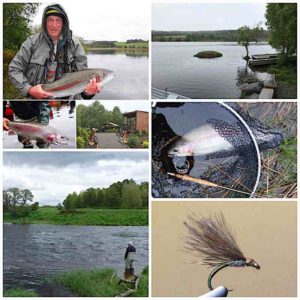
<point x="82" y="216"/>
<point x="100" y="283"/>
<point x="19" y="292"/>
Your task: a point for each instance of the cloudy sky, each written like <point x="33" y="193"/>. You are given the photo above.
<point x="125" y="106"/>
<point x="51" y="176"/>
<point x="206" y="16"/>
<point x="105" y="20"/>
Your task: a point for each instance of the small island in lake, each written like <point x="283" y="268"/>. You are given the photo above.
<point x="208" y="54"/>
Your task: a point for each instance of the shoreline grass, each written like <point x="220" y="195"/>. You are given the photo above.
<point x="99" y="283"/>
<point x="83" y="216"/>
<point x="19" y="292"/>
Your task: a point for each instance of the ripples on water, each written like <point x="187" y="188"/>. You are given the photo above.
<point x="175" y="68"/>
<point x="34" y="252"/>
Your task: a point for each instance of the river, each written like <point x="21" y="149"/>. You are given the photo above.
<point x="174" y="67"/>
<point x="130" y="73"/>
<point x="35" y="252"/>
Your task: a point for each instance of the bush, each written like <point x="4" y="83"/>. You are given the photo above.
<point x="59" y="206"/>
<point x="34" y="206"/>
<point x="80" y="142"/>
<point x="133" y="141"/>
<point x="145" y="144"/>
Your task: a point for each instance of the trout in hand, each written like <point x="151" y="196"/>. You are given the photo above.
<point x="76" y="82"/>
<point x="38" y="132"/>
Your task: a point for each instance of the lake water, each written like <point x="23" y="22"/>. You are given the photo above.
<point x="174" y="67"/>
<point x="34" y="252"/>
<point x="130" y="73"/>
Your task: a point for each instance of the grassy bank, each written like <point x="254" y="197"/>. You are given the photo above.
<point x="18" y="292"/>
<point x="99" y="283"/>
<point x="83" y="216"/>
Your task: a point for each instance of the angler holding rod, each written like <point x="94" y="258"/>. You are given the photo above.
<point x="46" y="56"/>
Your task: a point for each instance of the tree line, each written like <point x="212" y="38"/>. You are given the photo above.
<point x="18" y="202"/>
<point x="126" y="194"/>
<point x="95" y="115"/>
<point x="202" y="36"/>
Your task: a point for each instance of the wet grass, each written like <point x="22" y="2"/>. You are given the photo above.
<point x="83" y="216"/>
<point x="19" y="292"/>
<point x="99" y="283"/>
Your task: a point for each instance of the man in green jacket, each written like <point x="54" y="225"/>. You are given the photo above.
<point x="46" y="56"/>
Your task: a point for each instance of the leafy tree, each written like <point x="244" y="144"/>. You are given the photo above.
<point x="16" y="23"/>
<point x="131" y="196"/>
<point x="15" y="200"/>
<point x="26" y="196"/>
<point x="282" y="23"/>
<point x="246" y="35"/>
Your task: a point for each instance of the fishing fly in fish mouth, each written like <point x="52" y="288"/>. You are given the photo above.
<point x="212" y="238"/>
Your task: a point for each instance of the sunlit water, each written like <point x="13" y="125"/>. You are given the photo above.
<point x="174" y="67"/>
<point x="35" y="252"/>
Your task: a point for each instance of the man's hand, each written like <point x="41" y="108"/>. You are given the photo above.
<point x="38" y="93"/>
<point x="5" y="124"/>
<point x="93" y="87"/>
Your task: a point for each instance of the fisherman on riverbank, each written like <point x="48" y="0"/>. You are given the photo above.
<point x="46" y="56"/>
<point x="129" y="260"/>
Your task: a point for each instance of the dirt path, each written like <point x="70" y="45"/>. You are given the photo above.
<point x="109" y="140"/>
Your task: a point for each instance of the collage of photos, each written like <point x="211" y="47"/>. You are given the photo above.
<point x="149" y="149"/>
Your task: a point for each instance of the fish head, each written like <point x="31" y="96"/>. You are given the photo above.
<point x="102" y="75"/>
<point x="181" y="148"/>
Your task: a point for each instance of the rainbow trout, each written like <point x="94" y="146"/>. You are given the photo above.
<point x="38" y="132"/>
<point x="76" y="82"/>
<point x="203" y="140"/>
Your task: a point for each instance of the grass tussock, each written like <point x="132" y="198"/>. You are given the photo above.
<point x="99" y="283"/>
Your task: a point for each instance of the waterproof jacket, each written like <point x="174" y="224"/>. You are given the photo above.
<point x="27" y="110"/>
<point x="129" y="251"/>
<point x="29" y="67"/>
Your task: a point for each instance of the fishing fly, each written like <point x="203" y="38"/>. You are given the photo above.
<point x="213" y="239"/>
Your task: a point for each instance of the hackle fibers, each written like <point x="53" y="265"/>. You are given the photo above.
<point x="212" y="238"/>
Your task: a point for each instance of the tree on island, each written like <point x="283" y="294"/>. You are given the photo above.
<point x="246" y="35"/>
<point x="282" y="23"/>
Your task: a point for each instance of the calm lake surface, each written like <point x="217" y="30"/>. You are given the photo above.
<point x="131" y="73"/>
<point x="175" y="68"/>
<point x="34" y="252"/>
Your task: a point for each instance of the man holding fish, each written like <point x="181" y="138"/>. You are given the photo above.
<point x="49" y="56"/>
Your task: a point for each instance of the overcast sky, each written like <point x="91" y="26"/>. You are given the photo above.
<point x="105" y="20"/>
<point x="52" y="176"/>
<point x="206" y="16"/>
<point x="125" y="106"/>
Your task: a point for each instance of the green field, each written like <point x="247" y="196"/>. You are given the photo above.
<point x="83" y="216"/>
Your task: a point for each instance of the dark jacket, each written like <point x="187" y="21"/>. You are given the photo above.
<point x="29" y="67"/>
<point x="130" y="248"/>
